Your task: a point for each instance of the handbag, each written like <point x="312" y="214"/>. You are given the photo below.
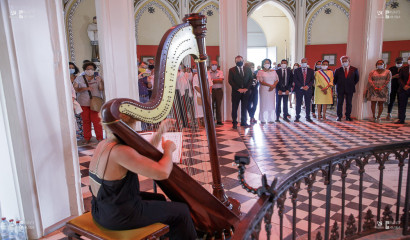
<point x="95" y="102"/>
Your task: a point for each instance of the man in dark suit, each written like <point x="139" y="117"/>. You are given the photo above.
<point x="283" y="89"/>
<point x="395" y="84"/>
<point x="404" y="92"/>
<point x="240" y="79"/>
<point x="303" y="78"/>
<point x="345" y="79"/>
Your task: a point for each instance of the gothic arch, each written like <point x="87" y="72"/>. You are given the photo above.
<point x="287" y="6"/>
<point x="342" y="6"/>
<point x="207" y="5"/>
<point x="69" y="10"/>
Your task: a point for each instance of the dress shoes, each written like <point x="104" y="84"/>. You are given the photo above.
<point x="286" y="120"/>
<point x="349" y="119"/>
<point x="277" y="120"/>
<point x="234" y="127"/>
<point x="309" y="120"/>
<point x="339" y="119"/>
<point x="245" y="125"/>
<point x="399" y="122"/>
<point x="297" y="120"/>
<point x="219" y="123"/>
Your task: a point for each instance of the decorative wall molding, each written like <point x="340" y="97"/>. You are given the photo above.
<point x="173" y="3"/>
<point x="144" y="5"/>
<point x="289" y="4"/>
<point x="208" y="5"/>
<point x="69" y="10"/>
<point x="195" y="5"/>
<point x="314" y="16"/>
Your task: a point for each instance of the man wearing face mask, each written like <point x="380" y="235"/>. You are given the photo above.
<point x="394" y="85"/>
<point x="283" y="89"/>
<point x="217" y="78"/>
<point x="404" y="92"/>
<point x="345" y="79"/>
<point x="240" y="79"/>
<point x="304" y="77"/>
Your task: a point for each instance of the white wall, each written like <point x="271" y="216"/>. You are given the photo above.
<point x="152" y="26"/>
<point x="212" y="35"/>
<point x="396" y="26"/>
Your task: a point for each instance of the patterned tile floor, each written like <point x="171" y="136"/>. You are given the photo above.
<point x="279" y="148"/>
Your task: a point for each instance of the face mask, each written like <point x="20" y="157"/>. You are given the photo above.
<point x="214" y="67"/>
<point x="380" y="66"/>
<point x="283" y="66"/>
<point x="180" y="68"/>
<point x="399" y="65"/>
<point x="151" y="67"/>
<point x="318" y="66"/>
<point x="72" y="71"/>
<point x="239" y="64"/>
<point x="266" y="66"/>
<point x="345" y="64"/>
<point x="324" y="67"/>
<point x="304" y="65"/>
<point x="295" y="67"/>
<point x="194" y="70"/>
<point x="89" y="72"/>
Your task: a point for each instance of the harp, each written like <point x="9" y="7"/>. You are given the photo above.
<point x="211" y="213"/>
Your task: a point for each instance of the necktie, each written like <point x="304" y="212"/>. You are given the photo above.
<point x="346" y="72"/>
<point x="241" y="71"/>
<point x="304" y="76"/>
<point x="284" y="75"/>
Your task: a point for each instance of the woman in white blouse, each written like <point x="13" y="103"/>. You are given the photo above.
<point x="268" y="80"/>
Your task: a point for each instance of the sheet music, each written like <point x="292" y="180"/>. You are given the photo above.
<point x="175" y="137"/>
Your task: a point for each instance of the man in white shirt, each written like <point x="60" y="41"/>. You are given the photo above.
<point x="217" y="78"/>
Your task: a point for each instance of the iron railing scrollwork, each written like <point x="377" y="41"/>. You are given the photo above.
<point x="272" y="197"/>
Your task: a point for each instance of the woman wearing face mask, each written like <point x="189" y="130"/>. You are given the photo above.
<point x="318" y="66"/>
<point x="268" y="79"/>
<point x="95" y="88"/>
<point x="323" y="88"/>
<point x="378" y="88"/>
<point x="73" y="74"/>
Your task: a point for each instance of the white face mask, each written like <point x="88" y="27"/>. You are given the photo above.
<point x="295" y="67"/>
<point x="266" y="66"/>
<point x="345" y="64"/>
<point x="214" y="67"/>
<point x="194" y="70"/>
<point x="180" y="68"/>
<point x="380" y="66"/>
<point x="89" y="72"/>
<point x="72" y="71"/>
<point x="318" y="66"/>
<point x="304" y="65"/>
<point x="399" y="65"/>
<point x="283" y="66"/>
<point x="324" y="67"/>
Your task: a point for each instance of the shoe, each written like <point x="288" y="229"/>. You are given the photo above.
<point x="297" y="120"/>
<point x="87" y="141"/>
<point x="309" y="120"/>
<point x="399" y="122"/>
<point x="319" y="117"/>
<point x="219" y="123"/>
<point x="263" y="122"/>
<point x="339" y="119"/>
<point x="313" y="115"/>
<point x="286" y="120"/>
<point x="253" y="120"/>
<point x="349" y="119"/>
<point x="270" y="122"/>
<point x="277" y="120"/>
<point x="234" y="127"/>
<point x="288" y="115"/>
<point x="324" y="118"/>
<point x="245" y="125"/>
<point x="388" y="117"/>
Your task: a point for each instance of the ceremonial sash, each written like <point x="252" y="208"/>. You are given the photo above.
<point x="325" y="76"/>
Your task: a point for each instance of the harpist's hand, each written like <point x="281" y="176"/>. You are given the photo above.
<point x="168" y="146"/>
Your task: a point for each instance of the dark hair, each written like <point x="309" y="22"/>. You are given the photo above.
<point x="85" y="65"/>
<point x="75" y="67"/>
<point x="325" y="61"/>
<point x="266" y="59"/>
<point x="239" y="56"/>
<point x="318" y="62"/>
<point x="86" y="61"/>
<point x="285" y="61"/>
<point x="379" y="61"/>
<point x="399" y="59"/>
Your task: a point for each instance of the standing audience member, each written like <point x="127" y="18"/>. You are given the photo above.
<point x="304" y="78"/>
<point x="73" y="75"/>
<point x="151" y="68"/>
<point x="378" y="88"/>
<point x="346" y="78"/>
<point x="240" y="79"/>
<point x="86" y="86"/>
<point x="217" y="78"/>
<point x="292" y="97"/>
<point x="179" y="102"/>
<point x="404" y="92"/>
<point x="323" y="89"/>
<point x="283" y="89"/>
<point x="318" y="66"/>
<point x="268" y="78"/>
<point x="198" y="99"/>
<point x="394" y="85"/>
<point x="143" y="84"/>
<point x="253" y="93"/>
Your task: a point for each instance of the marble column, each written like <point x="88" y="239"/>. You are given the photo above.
<point x="233" y="42"/>
<point x="40" y="172"/>
<point x="116" y="34"/>
<point x="300" y="31"/>
<point x="364" y="46"/>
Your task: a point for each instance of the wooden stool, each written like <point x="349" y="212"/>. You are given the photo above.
<point x="84" y="225"/>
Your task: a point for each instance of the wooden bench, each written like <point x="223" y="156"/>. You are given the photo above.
<point x="84" y="225"/>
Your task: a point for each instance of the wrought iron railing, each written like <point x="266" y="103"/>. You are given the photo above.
<point x="272" y="197"/>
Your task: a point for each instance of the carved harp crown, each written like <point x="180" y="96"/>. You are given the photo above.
<point x="211" y="213"/>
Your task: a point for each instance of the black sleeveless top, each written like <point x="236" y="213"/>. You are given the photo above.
<point x="117" y="202"/>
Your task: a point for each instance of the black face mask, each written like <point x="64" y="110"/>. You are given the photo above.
<point x="239" y="64"/>
<point x="150" y="67"/>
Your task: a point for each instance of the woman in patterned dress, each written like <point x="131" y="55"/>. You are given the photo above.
<point x="378" y="88"/>
<point x="268" y="80"/>
<point x="323" y="88"/>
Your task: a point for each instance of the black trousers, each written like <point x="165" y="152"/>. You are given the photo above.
<point x="300" y="95"/>
<point x="279" y="99"/>
<point x="393" y="95"/>
<point x="239" y="98"/>
<point x="217" y="96"/>
<point x="403" y="98"/>
<point x="175" y="214"/>
<point x="340" y="99"/>
<point x="253" y="102"/>
<point x="180" y="109"/>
